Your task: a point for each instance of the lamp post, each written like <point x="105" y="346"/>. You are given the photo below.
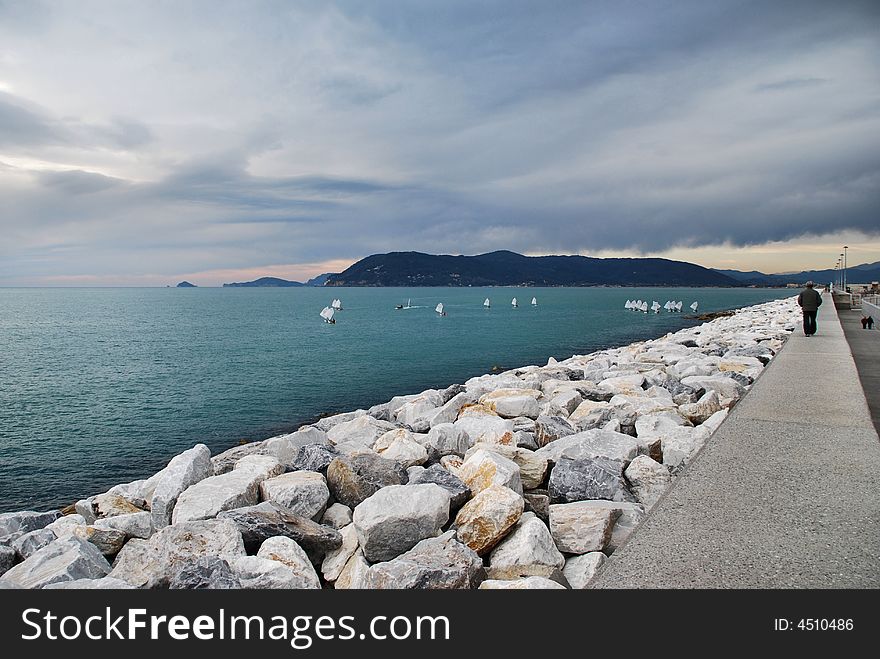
<point x="844" y="268"/>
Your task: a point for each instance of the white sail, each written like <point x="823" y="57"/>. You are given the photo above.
<point x="627" y="305"/>
<point x="486" y="303"/>
<point x="655" y="307"/>
<point x="327" y="314"/>
<point x="534" y="302"/>
<point x="644" y="307"/>
<point x="439" y="308"/>
<point x="513" y="303"/>
<point x="336" y="304"/>
<point x="694" y="306"/>
<point x="678" y="306"/>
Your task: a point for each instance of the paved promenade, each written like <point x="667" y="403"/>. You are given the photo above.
<point x="785" y="494"/>
<point x="865" y="347"/>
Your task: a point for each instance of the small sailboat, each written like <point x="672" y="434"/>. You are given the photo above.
<point x="627" y="304"/>
<point x="694" y="307"/>
<point x="534" y="302"/>
<point x="486" y="303"/>
<point x="336" y="305"/>
<point x="407" y="306"/>
<point x="644" y="307"/>
<point x="439" y="309"/>
<point x="678" y="306"/>
<point x="327" y="315"/>
<point x="513" y="303"/>
<point x="655" y="307"/>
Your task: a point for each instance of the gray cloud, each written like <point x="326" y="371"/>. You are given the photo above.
<point x="277" y="133"/>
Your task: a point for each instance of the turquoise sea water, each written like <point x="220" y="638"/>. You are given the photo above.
<point x="102" y="386"/>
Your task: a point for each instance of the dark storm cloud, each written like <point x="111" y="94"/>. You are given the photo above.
<point x="280" y="132"/>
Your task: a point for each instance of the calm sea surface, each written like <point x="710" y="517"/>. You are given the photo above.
<point x="102" y="386"/>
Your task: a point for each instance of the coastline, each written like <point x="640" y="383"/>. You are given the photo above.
<point x="508" y="423"/>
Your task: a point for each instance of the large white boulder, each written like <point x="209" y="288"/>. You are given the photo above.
<point x="485" y="467"/>
<point x="65" y="559"/>
<point x="303" y="492"/>
<point x="182" y="471"/>
<point x="529" y="550"/>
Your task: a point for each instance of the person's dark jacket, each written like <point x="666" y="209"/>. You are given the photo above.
<point x="809" y="299"/>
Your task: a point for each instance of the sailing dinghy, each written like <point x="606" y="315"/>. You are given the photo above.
<point x="327" y="315"/>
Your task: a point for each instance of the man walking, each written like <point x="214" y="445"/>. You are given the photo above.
<point x="809" y="301"/>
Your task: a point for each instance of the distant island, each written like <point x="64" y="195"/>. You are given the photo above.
<point x="504" y="268"/>
<point x="276" y="282"/>
<point x="186" y="284"/>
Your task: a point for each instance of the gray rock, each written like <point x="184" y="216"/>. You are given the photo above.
<point x="649" y="479"/>
<point x="264" y="466"/>
<point x="104" y="583"/>
<point x="224" y="462"/>
<point x="590" y="414"/>
<point x="682" y="444"/>
<point x="484" y="520"/>
<point x="258" y="573"/>
<point x="401" y="446"/>
<point x="110" y="505"/>
<point x="458" y="492"/>
<point x="364" y="430"/>
<point x="528" y="583"/>
<point x="355" y="478"/>
<point x="448" y="412"/>
<point x="550" y="428"/>
<point x="337" y="516"/>
<point x="532" y="465"/>
<point x="7" y="556"/>
<point x="26" y="521"/>
<point x="485" y="467"/>
<point x="700" y="411"/>
<point x="435" y="564"/>
<point x="182" y="471"/>
<point x="529" y="550"/>
<point x="335" y="561"/>
<point x="397" y="517"/>
<point x="482" y="425"/>
<point x="627" y="517"/>
<point x="447" y="439"/>
<point x="526" y="440"/>
<point x="314" y="457"/>
<point x="153" y="563"/>
<point x="538" y="503"/>
<point x="596" y="443"/>
<point x="329" y="422"/>
<point x="286" y="447"/>
<point x="266" y="520"/>
<point x="580" y="570"/>
<point x="108" y="541"/>
<point x="85" y="508"/>
<point x="587" y="479"/>
<point x="209" y="497"/>
<point x="204" y="572"/>
<point x="134" y="525"/>
<point x="741" y="378"/>
<point x="302" y="492"/>
<point x="566" y="402"/>
<point x="728" y="390"/>
<point x="32" y="542"/>
<point x="354" y="574"/>
<point x="450" y="392"/>
<point x="287" y="552"/>
<point x="578" y="528"/>
<point x="62" y="560"/>
<point x="64" y="527"/>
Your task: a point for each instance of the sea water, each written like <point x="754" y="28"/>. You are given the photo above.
<point x="100" y="386"/>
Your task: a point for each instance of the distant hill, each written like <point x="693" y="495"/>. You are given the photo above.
<point x="857" y="274"/>
<point x="504" y="268"/>
<point x="320" y="280"/>
<point x="186" y="284"/>
<point x="265" y="282"/>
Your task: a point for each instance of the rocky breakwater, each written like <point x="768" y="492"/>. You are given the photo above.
<point x="524" y="479"/>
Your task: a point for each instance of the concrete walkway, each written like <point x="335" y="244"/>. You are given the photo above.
<point x="865" y="347"/>
<point x="784" y="495"/>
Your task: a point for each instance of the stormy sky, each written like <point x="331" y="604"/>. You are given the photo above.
<point x="144" y="142"/>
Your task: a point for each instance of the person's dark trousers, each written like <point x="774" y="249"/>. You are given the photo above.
<point x="809" y="322"/>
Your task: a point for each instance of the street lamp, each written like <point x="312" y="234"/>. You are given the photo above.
<point x="844" y="268"/>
